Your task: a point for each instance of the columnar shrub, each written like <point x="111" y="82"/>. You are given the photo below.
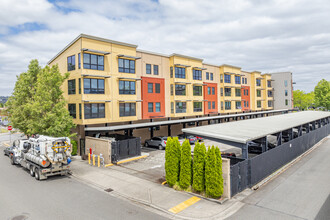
<point x="171" y="162"/>
<point x="199" y="167"/>
<point x="185" y="165"/>
<point x="219" y="183"/>
<point x="210" y="173"/>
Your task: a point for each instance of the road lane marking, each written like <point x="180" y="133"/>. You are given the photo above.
<point x="184" y="205"/>
<point x="134" y="158"/>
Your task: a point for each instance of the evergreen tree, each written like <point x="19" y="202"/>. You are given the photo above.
<point x="210" y="173"/>
<point x="219" y="179"/>
<point x="171" y="161"/>
<point x="185" y="165"/>
<point x="199" y="167"/>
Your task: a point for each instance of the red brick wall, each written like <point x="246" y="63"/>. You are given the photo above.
<point x="210" y="98"/>
<point x="245" y="98"/>
<point x="152" y="97"/>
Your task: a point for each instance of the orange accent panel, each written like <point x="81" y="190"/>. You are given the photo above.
<point x="210" y="98"/>
<point x="246" y="98"/>
<point x="152" y="97"/>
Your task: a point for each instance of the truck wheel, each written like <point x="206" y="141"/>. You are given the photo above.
<point x="12" y="159"/>
<point x="36" y="173"/>
<point x="31" y="171"/>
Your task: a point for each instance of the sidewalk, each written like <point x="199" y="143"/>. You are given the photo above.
<point x="152" y="194"/>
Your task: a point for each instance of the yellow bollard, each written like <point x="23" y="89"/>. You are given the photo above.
<point x="98" y="161"/>
<point x="93" y="160"/>
<point x="89" y="158"/>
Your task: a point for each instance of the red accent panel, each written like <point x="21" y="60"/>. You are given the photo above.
<point x="152" y="97"/>
<point x="245" y="98"/>
<point x="210" y="98"/>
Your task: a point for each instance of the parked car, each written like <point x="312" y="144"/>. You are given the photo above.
<point x="7" y="150"/>
<point x="159" y="142"/>
<point x="224" y="154"/>
<point x="200" y="139"/>
<point x="192" y="139"/>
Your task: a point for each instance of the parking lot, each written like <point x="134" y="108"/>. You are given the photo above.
<point x="152" y="168"/>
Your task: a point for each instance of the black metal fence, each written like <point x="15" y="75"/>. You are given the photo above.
<point x="125" y="147"/>
<point x="251" y="171"/>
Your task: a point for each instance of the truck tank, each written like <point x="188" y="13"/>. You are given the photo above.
<point x="37" y="159"/>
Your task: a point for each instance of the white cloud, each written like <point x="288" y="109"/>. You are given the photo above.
<point x="268" y="36"/>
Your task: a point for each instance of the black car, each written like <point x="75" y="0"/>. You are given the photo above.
<point x="7" y="150"/>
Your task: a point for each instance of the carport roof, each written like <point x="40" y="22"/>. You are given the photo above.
<point x="171" y="122"/>
<point x="248" y="130"/>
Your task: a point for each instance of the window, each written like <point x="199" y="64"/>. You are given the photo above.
<point x="72" y="110"/>
<point x="245" y="80"/>
<point x="197" y="91"/>
<point x="285" y="83"/>
<point x="94" y="86"/>
<point x="148" y="68"/>
<point x="286" y="102"/>
<point x="172" y="107"/>
<point x="180" y="107"/>
<point x="221" y="105"/>
<point x="247" y="92"/>
<point x="247" y="103"/>
<point x="157" y="88"/>
<point x="80" y="111"/>
<point x="94" y="62"/>
<point x="72" y="63"/>
<point x="94" y="110"/>
<point x="207" y="75"/>
<point x="221" y="91"/>
<point x="126" y="87"/>
<point x="286" y="92"/>
<point x="150" y="87"/>
<point x="155" y="69"/>
<point x="270" y="94"/>
<point x="221" y="78"/>
<point x="238" y="105"/>
<point x="213" y="105"/>
<point x="79" y="86"/>
<point x="126" y="66"/>
<point x="127" y="109"/>
<point x="227" y="105"/>
<point x="209" y="90"/>
<point x="258" y="82"/>
<point x="258" y="104"/>
<point x="171" y="89"/>
<point x="269" y="83"/>
<point x="244" y="91"/>
<point x="180" y="89"/>
<point x="238" y="92"/>
<point x="213" y="90"/>
<point x="150" y="107"/>
<point x="227" y="91"/>
<point x="180" y="72"/>
<point x="157" y="106"/>
<point x="197" y="74"/>
<point x="237" y="80"/>
<point x="211" y="76"/>
<point x="171" y="72"/>
<point x="72" y="87"/>
<point x="270" y="103"/>
<point x="209" y="105"/>
<point x="227" y="78"/>
<point x="198" y="107"/>
<point x="79" y="61"/>
<point x="258" y="93"/>
<point x="244" y="103"/>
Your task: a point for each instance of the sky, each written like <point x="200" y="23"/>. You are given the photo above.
<point x="267" y="36"/>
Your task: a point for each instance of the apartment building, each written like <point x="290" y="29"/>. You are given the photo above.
<point x="282" y="85"/>
<point x="113" y="82"/>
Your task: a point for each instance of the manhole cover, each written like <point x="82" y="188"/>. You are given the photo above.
<point x="20" y="217"/>
<point x="108" y="190"/>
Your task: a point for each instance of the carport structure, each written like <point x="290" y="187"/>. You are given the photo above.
<point x="241" y="133"/>
<point x="128" y="128"/>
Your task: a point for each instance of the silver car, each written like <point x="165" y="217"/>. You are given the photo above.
<point x="159" y="142"/>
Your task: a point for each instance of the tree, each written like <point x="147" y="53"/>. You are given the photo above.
<point x="1" y="105"/>
<point x="199" y="167"/>
<point x="219" y="182"/>
<point x="172" y="161"/>
<point x="185" y="165"/>
<point x="322" y="94"/>
<point x="303" y="100"/>
<point x="211" y="177"/>
<point x="37" y="105"/>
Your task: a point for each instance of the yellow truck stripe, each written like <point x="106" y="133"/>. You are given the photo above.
<point x="184" y="205"/>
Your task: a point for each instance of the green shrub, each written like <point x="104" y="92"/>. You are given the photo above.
<point x="199" y="167"/>
<point x="185" y="165"/>
<point x="219" y="182"/>
<point x="172" y="160"/>
<point x="210" y="173"/>
<point x="74" y="147"/>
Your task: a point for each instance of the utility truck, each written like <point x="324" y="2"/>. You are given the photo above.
<point x="43" y="156"/>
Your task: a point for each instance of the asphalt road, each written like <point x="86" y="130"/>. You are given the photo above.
<point x="301" y="192"/>
<point x="23" y="197"/>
